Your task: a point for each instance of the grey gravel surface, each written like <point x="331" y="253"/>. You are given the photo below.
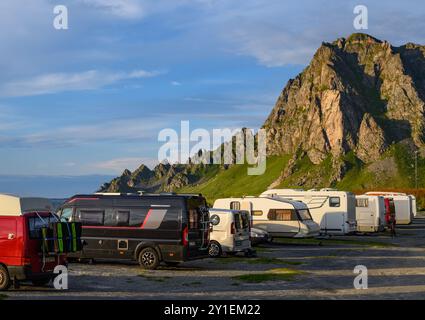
<point x="395" y="271"/>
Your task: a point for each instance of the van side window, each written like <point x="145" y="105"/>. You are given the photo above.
<point x="364" y="203"/>
<point x="171" y="220"/>
<point x="282" y="215"/>
<point x="235" y="205"/>
<point x="91" y="217"/>
<point x="122" y="218"/>
<point x="257" y="212"/>
<point x="334" y="202"/>
<point x="137" y="216"/>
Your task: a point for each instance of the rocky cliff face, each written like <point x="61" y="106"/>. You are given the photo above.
<point x="357" y="94"/>
<point x="357" y="98"/>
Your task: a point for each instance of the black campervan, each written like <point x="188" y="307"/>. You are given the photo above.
<point x="148" y="228"/>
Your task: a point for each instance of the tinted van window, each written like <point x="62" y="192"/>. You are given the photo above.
<point x="90" y="217"/>
<point x="137" y="216"/>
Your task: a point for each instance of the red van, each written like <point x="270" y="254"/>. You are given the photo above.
<point x="21" y="256"/>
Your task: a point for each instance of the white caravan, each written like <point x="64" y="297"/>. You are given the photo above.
<point x="279" y="217"/>
<point x="334" y="211"/>
<point x="370" y="213"/>
<point x="403" y="204"/>
<point x="230" y="232"/>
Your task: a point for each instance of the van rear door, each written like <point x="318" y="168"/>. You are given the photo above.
<point x="197" y="227"/>
<point x="242" y="230"/>
<point x="10" y="251"/>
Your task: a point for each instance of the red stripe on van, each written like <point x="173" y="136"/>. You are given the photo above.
<point x="146" y="219"/>
<point x="76" y="199"/>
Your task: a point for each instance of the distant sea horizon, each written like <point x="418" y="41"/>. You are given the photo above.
<point x="54" y="187"/>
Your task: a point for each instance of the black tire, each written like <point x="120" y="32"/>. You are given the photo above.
<point x="214" y="250"/>
<point x="149" y="259"/>
<point x="4" y="279"/>
<point x="42" y="282"/>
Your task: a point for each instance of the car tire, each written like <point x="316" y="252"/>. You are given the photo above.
<point x="149" y="258"/>
<point x="41" y="282"/>
<point x="214" y="250"/>
<point x="4" y="279"/>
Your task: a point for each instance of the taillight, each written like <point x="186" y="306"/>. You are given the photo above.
<point x="232" y="228"/>
<point x="185" y="236"/>
<point x="26" y="261"/>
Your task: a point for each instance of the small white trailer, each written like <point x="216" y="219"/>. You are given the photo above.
<point x="279" y="217"/>
<point x="370" y="213"/>
<point x="333" y="210"/>
<point x="403" y="204"/>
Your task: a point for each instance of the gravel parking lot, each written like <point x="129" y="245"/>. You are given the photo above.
<point x="291" y="269"/>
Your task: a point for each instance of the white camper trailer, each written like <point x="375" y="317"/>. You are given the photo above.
<point x="334" y="211"/>
<point x="370" y="213"/>
<point x="230" y="232"/>
<point x="402" y="203"/>
<point x="279" y="217"/>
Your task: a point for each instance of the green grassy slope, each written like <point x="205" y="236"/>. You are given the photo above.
<point x="236" y="182"/>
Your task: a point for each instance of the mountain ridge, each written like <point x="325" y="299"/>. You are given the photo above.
<point x="357" y="101"/>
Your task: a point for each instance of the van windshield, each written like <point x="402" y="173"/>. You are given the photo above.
<point x="304" y="214"/>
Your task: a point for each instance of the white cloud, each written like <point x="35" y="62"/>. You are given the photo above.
<point x="128" y="9"/>
<point x="175" y="83"/>
<point x="118" y="165"/>
<point x="110" y="131"/>
<point x="60" y="82"/>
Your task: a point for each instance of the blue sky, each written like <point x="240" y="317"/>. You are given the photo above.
<point x="92" y="99"/>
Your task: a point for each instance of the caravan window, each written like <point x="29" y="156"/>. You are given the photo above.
<point x="364" y="203"/>
<point x="334" y="201"/>
<point x="282" y="215"/>
<point x="235" y="205"/>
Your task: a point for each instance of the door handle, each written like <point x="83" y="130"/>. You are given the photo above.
<point x="10" y="236"/>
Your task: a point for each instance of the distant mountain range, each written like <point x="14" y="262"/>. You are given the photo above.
<point x="353" y="119"/>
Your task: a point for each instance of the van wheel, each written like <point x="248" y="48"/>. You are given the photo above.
<point x="149" y="259"/>
<point x="41" y="282"/>
<point x="4" y="279"/>
<point x="214" y="250"/>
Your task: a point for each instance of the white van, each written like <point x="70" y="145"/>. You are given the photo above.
<point x="279" y="217"/>
<point x="334" y="211"/>
<point x="230" y="232"/>
<point x="403" y="204"/>
<point x="370" y="213"/>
